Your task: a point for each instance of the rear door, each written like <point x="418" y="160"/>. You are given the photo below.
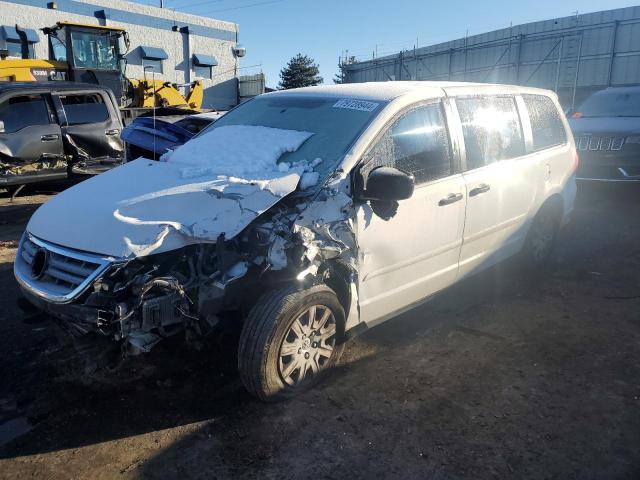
<point x="30" y="139"/>
<point x="91" y="130"/>
<point x="500" y="181"/>
<point x="410" y="250"/>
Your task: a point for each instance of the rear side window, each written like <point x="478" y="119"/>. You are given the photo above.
<point x="491" y="128"/>
<point x="87" y="108"/>
<point x="17" y="113"/>
<point x="416" y="143"/>
<point x="546" y="126"/>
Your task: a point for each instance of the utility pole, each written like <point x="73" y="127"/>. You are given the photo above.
<point x="161" y="3"/>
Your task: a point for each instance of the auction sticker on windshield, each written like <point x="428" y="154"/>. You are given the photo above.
<point x="361" y="105"/>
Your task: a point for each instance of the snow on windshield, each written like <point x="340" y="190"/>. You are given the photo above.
<point x="244" y="151"/>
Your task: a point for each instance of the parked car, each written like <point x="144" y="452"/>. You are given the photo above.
<point x="51" y="129"/>
<point x="607" y="132"/>
<point x="308" y="215"/>
<point x="151" y="136"/>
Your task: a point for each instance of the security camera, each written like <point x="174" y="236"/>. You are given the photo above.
<point x="239" y="51"/>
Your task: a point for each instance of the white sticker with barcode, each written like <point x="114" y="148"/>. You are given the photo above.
<point x="361" y="105"/>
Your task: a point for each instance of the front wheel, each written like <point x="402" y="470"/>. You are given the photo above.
<point x="290" y="340"/>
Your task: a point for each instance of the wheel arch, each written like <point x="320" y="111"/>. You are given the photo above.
<point x="339" y="277"/>
<point x="556" y="203"/>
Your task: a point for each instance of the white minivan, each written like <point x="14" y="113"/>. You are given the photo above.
<point x="306" y="216"/>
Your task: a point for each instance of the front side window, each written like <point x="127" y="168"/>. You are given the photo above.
<point x="546" y="126"/>
<point x="58" y="49"/>
<point x="491" y="129"/>
<point x="152" y="64"/>
<point x="95" y="50"/>
<point x="17" y="113"/>
<point x="416" y="143"/>
<point x="87" y="108"/>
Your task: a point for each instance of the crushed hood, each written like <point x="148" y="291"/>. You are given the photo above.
<point x="146" y="207"/>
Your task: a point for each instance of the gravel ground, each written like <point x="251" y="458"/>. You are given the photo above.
<point x="502" y="376"/>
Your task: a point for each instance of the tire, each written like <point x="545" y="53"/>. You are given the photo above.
<point x="541" y="239"/>
<point x="279" y="323"/>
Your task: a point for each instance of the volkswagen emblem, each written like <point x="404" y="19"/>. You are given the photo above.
<point x="39" y="263"/>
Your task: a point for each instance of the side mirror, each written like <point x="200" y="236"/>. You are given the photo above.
<point x="388" y="184"/>
<point x="1" y="126"/>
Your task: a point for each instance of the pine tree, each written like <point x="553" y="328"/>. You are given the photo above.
<point x="301" y="71"/>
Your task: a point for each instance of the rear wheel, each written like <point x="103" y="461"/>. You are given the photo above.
<point x="542" y="237"/>
<point x="291" y="339"/>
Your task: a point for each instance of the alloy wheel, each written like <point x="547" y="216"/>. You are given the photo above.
<point x="308" y="345"/>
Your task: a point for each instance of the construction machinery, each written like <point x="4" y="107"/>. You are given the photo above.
<point x="97" y="54"/>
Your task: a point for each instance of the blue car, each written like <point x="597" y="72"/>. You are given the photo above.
<point x="151" y="137"/>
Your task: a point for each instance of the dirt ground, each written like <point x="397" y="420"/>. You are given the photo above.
<point x="502" y="376"/>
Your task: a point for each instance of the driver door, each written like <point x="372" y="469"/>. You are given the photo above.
<point x="408" y="254"/>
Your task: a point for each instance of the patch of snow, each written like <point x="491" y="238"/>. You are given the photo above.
<point x="210" y="115"/>
<point x="245" y="151"/>
<point x="308" y="180"/>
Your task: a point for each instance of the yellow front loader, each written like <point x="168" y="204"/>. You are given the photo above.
<point x="96" y="54"/>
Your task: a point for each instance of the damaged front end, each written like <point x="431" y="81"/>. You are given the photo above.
<point x="140" y="301"/>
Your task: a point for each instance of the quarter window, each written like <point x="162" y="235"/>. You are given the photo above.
<point x="491" y="129"/>
<point x="89" y="108"/>
<point x="416" y="143"/>
<point x="17" y="113"/>
<point x="546" y="126"/>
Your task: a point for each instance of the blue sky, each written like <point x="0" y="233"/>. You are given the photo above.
<point x="275" y="30"/>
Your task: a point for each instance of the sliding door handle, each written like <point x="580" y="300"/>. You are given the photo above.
<point x="49" y="138"/>
<point x="113" y="131"/>
<point x="451" y="198"/>
<point x="482" y="188"/>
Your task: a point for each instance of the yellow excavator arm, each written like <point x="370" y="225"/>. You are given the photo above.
<point x="159" y="93"/>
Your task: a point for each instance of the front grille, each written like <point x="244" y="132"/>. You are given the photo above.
<point x="600" y="143"/>
<point x="56" y="273"/>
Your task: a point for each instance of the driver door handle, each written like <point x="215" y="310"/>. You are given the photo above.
<point x="449" y="199"/>
<point x="49" y="138"/>
<point x="482" y="188"/>
<point x="113" y="131"/>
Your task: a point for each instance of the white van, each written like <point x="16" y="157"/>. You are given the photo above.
<point x="308" y="215"/>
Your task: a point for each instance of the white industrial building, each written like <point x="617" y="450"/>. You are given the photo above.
<point x="573" y="55"/>
<point x="180" y="47"/>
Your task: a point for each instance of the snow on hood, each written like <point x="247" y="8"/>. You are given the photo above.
<point x="146" y="207"/>
<point x="244" y="151"/>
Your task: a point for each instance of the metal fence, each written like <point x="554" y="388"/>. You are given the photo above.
<point x="572" y="55"/>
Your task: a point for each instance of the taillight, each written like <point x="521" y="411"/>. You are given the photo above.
<point x="576" y="115"/>
<point x="576" y="161"/>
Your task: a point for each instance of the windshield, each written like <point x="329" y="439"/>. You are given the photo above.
<point x="95" y="50"/>
<point x="334" y="122"/>
<point x="611" y="104"/>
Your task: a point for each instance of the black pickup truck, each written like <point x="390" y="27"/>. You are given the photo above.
<point x="53" y="130"/>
